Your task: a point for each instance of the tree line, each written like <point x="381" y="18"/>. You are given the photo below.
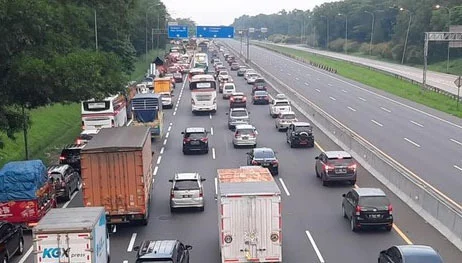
<point x="392" y="20"/>
<point x="64" y="51"/>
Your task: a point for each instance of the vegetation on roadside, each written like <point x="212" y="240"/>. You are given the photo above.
<point x="380" y="81"/>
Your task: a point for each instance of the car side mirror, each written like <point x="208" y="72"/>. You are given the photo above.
<point x="171" y="180"/>
<point x="203" y="179"/>
<point x="316" y="158"/>
<point x="182" y="132"/>
<point x="188" y="247"/>
<point x="137" y="248"/>
<point x="343" y="195"/>
<point x="227" y="113"/>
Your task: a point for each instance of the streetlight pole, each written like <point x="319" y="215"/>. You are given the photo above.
<point x="146" y="30"/>
<point x="96" y="33"/>
<point x="327" y="38"/>
<point x="407" y="34"/>
<point x="158" y="33"/>
<point x="449" y="27"/>
<point x="346" y="31"/>
<point x="372" y="30"/>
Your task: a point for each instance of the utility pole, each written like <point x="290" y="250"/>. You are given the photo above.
<point x="96" y="33"/>
<point x="248" y="47"/>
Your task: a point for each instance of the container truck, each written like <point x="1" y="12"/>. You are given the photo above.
<point x="249" y="215"/>
<point x="72" y="235"/>
<point x="147" y="111"/>
<point x="162" y="85"/>
<point x="117" y="173"/>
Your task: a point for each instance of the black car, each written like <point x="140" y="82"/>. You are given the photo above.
<point x="172" y="251"/>
<point x="64" y="179"/>
<point x="195" y="140"/>
<point x="300" y="134"/>
<point x="367" y="207"/>
<point x="71" y="155"/>
<point x="410" y="253"/>
<point x="264" y="157"/>
<point x="11" y="241"/>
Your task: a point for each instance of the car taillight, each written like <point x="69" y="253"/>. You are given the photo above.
<point x="204" y="139"/>
<point x="62" y="158"/>
<point x="78" y="141"/>
<point x="236" y="135"/>
<point x="255" y="97"/>
<point x="201" y="194"/>
<point x="186" y="140"/>
<point x="390" y="209"/>
<point x="358" y="210"/>
<point x="253" y="134"/>
<point x="83" y="125"/>
<point x="254" y="162"/>
<point x="231" y="99"/>
<point x="171" y="193"/>
<point x="244" y="99"/>
<point x="327" y="168"/>
<point x="275" y="162"/>
<point x="352" y="167"/>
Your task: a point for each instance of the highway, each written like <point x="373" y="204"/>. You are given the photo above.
<point x="308" y="207"/>
<point x="426" y="141"/>
<point x="436" y="79"/>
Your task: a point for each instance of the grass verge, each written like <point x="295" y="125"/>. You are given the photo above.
<point x="142" y="64"/>
<point x="52" y="127"/>
<point x="380" y="81"/>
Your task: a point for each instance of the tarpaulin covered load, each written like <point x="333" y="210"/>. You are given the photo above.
<point x="21" y="180"/>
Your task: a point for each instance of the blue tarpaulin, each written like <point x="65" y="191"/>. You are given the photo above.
<point x="146" y="106"/>
<point x="21" y="180"/>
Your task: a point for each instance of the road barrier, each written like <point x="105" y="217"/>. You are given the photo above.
<point x="436" y="208"/>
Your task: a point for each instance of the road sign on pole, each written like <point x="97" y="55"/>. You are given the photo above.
<point x="458" y="83"/>
<point x="172" y="23"/>
<point x="177" y="31"/>
<point x="251" y="30"/>
<point x="264" y="30"/>
<point x="215" y="31"/>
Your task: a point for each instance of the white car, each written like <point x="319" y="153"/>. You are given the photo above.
<point x="167" y="102"/>
<point x="284" y="119"/>
<point x="228" y="89"/>
<point x="223" y="75"/>
<point x="252" y="77"/>
<point x="280" y="96"/>
<point x="278" y="106"/>
<point x="249" y="71"/>
<point x="245" y="135"/>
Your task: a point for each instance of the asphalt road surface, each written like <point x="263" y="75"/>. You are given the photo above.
<point x="436" y="79"/>
<point x="307" y="205"/>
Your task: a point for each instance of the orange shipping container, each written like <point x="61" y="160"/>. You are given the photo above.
<point x="117" y="173"/>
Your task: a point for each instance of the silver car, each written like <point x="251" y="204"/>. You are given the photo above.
<point x="284" y="119"/>
<point x="245" y="135"/>
<point x="237" y="116"/>
<point x="187" y="191"/>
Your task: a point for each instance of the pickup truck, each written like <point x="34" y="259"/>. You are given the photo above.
<point x="279" y="105"/>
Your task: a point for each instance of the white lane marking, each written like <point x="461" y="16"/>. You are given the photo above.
<point x="216" y="186"/>
<point x="289" y="74"/>
<point x="306" y="84"/>
<point x="155" y="170"/>
<point x="328" y="84"/>
<point x="174" y="113"/>
<point x="318" y="79"/>
<point x="457" y="167"/>
<point x="171" y="123"/>
<point x="213" y="153"/>
<point x="210" y="115"/>
<point x="332" y="98"/>
<point x="165" y="141"/>
<point x="162" y="150"/>
<point x="167" y="134"/>
<point x="114" y="229"/>
<point x="24" y="258"/>
<point x="159" y="159"/>
<point x="72" y="197"/>
<point x="281" y="70"/>
<point x="377" y="123"/>
<point x="317" y="90"/>
<point x="385" y="109"/>
<point x="132" y="242"/>
<point x="344" y="91"/>
<point x="315" y="247"/>
<point x="350" y="108"/>
<point x="169" y="128"/>
<point x="416" y="123"/>
<point x="454" y="141"/>
<point x="297" y="78"/>
<point x="363" y="99"/>
<point x="411" y="142"/>
<point x="284" y="186"/>
<point x="211" y="130"/>
<point x="125" y="261"/>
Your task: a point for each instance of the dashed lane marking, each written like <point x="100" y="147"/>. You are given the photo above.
<point x="411" y="142"/>
<point x="132" y="243"/>
<point x="162" y="150"/>
<point x="165" y="141"/>
<point x="155" y="170"/>
<point x="213" y="153"/>
<point x="385" y="109"/>
<point x="315" y="247"/>
<point x="377" y="123"/>
<point x="284" y="187"/>
<point x="159" y="159"/>
<point x="350" y="108"/>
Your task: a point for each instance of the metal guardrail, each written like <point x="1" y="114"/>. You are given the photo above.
<point x="437" y="209"/>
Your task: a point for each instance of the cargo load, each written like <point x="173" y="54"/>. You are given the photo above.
<point x="147" y="111"/>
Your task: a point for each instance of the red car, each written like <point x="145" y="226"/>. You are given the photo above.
<point x="237" y="100"/>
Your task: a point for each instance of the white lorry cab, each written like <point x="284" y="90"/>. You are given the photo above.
<point x="203" y="93"/>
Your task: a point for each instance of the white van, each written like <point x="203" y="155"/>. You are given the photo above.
<point x="228" y="89"/>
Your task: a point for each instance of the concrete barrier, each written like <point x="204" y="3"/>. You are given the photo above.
<point x="437" y="209"/>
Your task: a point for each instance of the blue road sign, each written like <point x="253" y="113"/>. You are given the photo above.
<point x="178" y="31"/>
<point x="215" y="31"/>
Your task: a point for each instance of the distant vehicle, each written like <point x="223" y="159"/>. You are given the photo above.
<point x="280" y="96"/>
<point x="195" y="71"/>
<point x="279" y="105"/>
<point x="195" y="140"/>
<point x="203" y="94"/>
<point x="86" y="135"/>
<point x="300" y="134"/>
<point x="223" y="75"/>
<point x="235" y="66"/>
<point x="228" y="89"/>
<point x="245" y="135"/>
<point x="252" y="77"/>
<point x="107" y="113"/>
<point x="167" y="101"/>
<point x="201" y="60"/>
<point x="65" y="180"/>
<point x="173" y="251"/>
<point x="410" y="253"/>
<point x="241" y="71"/>
<point x="260" y="97"/>
<point x="256" y="88"/>
<point x="264" y="157"/>
<point x="147" y="111"/>
<point x="11" y="241"/>
<point x="335" y="166"/>
<point x="249" y="72"/>
<point x="237" y="100"/>
<point x="70" y="154"/>
<point x="178" y="77"/>
<point x="237" y="116"/>
<point x="284" y="119"/>
<point x="367" y="207"/>
<point x="187" y="191"/>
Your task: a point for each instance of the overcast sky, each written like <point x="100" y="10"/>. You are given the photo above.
<point x="223" y="12"/>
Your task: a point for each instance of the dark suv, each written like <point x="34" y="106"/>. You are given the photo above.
<point x="71" y="155"/>
<point x="172" y="251"/>
<point x="195" y="140"/>
<point x="264" y="157"/>
<point x="335" y="166"/>
<point x="300" y="134"/>
<point x="64" y="179"/>
<point x="367" y="207"/>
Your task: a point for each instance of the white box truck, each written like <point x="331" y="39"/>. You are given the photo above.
<point x="72" y="235"/>
<point x="249" y="215"/>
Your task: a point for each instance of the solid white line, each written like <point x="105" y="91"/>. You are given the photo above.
<point x="162" y="150"/>
<point x="317" y="90"/>
<point x="416" y="123"/>
<point x="378" y="123"/>
<point x="344" y="91"/>
<point x="457" y="167"/>
<point x="385" y="109"/>
<point x="169" y="128"/>
<point x="132" y="242"/>
<point x="155" y="170"/>
<point x="297" y="78"/>
<point x="411" y="142"/>
<point x="306" y="84"/>
<point x="165" y="141"/>
<point x="316" y="249"/>
<point x="167" y="134"/>
<point x="216" y="186"/>
<point x="159" y="159"/>
<point x="24" y="258"/>
<point x="72" y="197"/>
<point x="213" y="153"/>
<point x="363" y="99"/>
<point x="332" y="98"/>
<point x="210" y="115"/>
<point x="452" y="140"/>
<point x="211" y="130"/>
<point x="284" y="186"/>
<point x="350" y="108"/>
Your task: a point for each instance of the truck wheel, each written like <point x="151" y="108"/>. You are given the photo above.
<point x="202" y="208"/>
<point x="20" y="247"/>
<point x="291" y="144"/>
<point x="68" y="195"/>
<point x="144" y="221"/>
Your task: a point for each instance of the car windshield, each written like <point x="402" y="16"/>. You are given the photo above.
<point x="229" y="87"/>
<point x="281" y="104"/>
<point x="261" y="93"/>
<point x="303" y="128"/>
<point x="203" y="97"/>
<point x="239" y="113"/>
<point x="186" y="185"/>
<point x="195" y="135"/>
<point x="288" y="116"/>
<point x="342" y="161"/>
<point x="374" y="201"/>
<point x="266" y="154"/>
<point x="56" y="177"/>
<point x="244" y="131"/>
<point x="223" y="73"/>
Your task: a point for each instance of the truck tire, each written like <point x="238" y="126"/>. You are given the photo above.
<point x="68" y="195"/>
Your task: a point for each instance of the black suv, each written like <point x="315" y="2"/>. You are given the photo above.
<point x="264" y="157"/>
<point x="300" y="134"/>
<point x="71" y="155"/>
<point x="11" y="241"/>
<point x="162" y="250"/>
<point x="195" y="140"/>
<point x="367" y="207"/>
<point x="64" y="179"/>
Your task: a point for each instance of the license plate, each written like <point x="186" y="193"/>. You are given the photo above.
<point x="187" y="196"/>
<point x="375" y="216"/>
<point x="245" y="137"/>
<point x="194" y="142"/>
<point x="265" y="164"/>
<point x="340" y="171"/>
<point x="98" y="126"/>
